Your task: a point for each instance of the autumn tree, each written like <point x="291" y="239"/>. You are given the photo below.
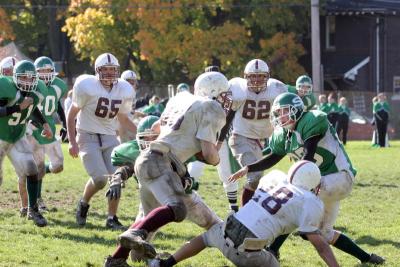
<point x="6" y="32"/>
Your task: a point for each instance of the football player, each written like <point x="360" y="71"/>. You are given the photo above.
<point x="304" y="89"/>
<point x="7" y="65"/>
<point x="227" y="165"/>
<point x="310" y="136"/>
<point x="252" y="98"/>
<point x="182" y="87"/>
<point x="189" y="126"/>
<point x="131" y="77"/>
<point x="100" y="100"/>
<point x="123" y="134"/>
<point x="273" y="210"/>
<point x="56" y="90"/>
<point x="19" y="97"/>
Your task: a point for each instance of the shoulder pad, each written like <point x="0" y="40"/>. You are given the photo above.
<point x="276" y="86"/>
<point x="7" y="87"/>
<point x="238" y="88"/>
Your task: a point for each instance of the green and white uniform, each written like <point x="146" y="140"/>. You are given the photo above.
<point x="308" y="100"/>
<point x="324" y="107"/>
<point x="13" y="127"/>
<point x="41" y="145"/>
<point x="335" y="166"/>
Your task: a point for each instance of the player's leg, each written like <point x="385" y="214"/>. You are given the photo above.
<point x="335" y="187"/>
<point x="92" y="158"/>
<point x="21" y="157"/>
<point x="198" y="212"/>
<point x="56" y="157"/>
<point x="112" y="222"/>
<point x="247" y="151"/>
<point x="225" y="168"/>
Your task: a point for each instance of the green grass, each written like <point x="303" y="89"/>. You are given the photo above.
<point x="370" y="216"/>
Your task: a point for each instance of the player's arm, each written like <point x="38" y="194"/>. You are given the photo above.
<point x="260" y="165"/>
<point x="225" y="129"/>
<point x="40" y="120"/>
<point x="188" y="250"/>
<point x="126" y="122"/>
<point x="6" y="111"/>
<point x="209" y="152"/>
<point x="61" y="115"/>
<point x="310" y="147"/>
<point x="73" y="146"/>
<point x="323" y="249"/>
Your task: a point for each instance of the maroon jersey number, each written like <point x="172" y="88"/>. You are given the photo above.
<point x="104" y="106"/>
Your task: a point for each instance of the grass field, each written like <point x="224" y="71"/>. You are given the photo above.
<point x="370" y="216"/>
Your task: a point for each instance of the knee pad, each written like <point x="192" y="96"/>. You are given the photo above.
<point x="179" y="210"/>
<point x="31" y="168"/>
<point x="99" y="182"/>
<point x="57" y="168"/>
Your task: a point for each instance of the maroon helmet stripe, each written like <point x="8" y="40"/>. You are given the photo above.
<point x="256" y="64"/>
<point x="13" y="60"/>
<point x="294" y="171"/>
<point x="108" y="58"/>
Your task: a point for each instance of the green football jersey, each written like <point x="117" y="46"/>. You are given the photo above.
<point x="378" y="106"/>
<point x="55" y="91"/>
<point x="125" y="154"/>
<point x="13" y="127"/>
<point x="344" y="109"/>
<point x="308" y="100"/>
<point x="333" y="107"/>
<point x="324" y="107"/>
<point x="330" y="155"/>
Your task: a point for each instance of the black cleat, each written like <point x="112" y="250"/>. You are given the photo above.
<point x="42" y="205"/>
<point x="115" y="262"/>
<point x="114" y="224"/>
<point x="23" y="212"/>
<point x="81" y="213"/>
<point x="36" y="216"/>
<point x="136" y="239"/>
<point x="375" y="259"/>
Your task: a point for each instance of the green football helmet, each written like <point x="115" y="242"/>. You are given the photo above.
<point x="45" y="69"/>
<point x="182" y="87"/>
<point x="286" y="110"/>
<point x="304" y="85"/>
<point x="25" y="76"/>
<point x="144" y="133"/>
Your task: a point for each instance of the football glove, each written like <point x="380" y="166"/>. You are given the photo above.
<point x="189" y="184"/>
<point x="114" y="191"/>
<point x="64" y="135"/>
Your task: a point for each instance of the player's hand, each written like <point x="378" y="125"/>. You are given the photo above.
<point x="26" y="103"/>
<point x="114" y="191"/>
<point x="46" y="132"/>
<point x="73" y="149"/>
<point x="239" y="174"/>
<point x="63" y="135"/>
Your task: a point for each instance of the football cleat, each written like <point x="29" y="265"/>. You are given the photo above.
<point x="36" y="216"/>
<point x="42" y="205"/>
<point x="114" y="224"/>
<point x="81" y="213"/>
<point x="375" y="259"/>
<point x="136" y="239"/>
<point x="23" y="212"/>
<point x="115" y="262"/>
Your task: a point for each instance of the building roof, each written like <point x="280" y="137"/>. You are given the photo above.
<point x="11" y="50"/>
<point x="363" y="7"/>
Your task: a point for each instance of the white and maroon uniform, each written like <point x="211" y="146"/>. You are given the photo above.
<point x="97" y="123"/>
<point x="251" y="123"/>
<point x="186" y="120"/>
<point x="271" y="212"/>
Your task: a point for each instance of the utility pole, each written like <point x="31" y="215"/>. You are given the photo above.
<point x="378" y="85"/>
<point x="316" y="48"/>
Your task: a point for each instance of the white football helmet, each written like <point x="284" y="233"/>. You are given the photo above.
<point x="106" y="76"/>
<point x="257" y="74"/>
<point x="304" y="174"/>
<point x="131" y="77"/>
<point x="214" y="85"/>
<point x="7" y="65"/>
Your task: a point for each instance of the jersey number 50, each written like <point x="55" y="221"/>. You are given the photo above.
<point x="103" y="106"/>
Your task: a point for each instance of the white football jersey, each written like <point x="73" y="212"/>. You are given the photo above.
<point x="252" y="110"/>
<point x="99" y="107"/>
<point x="281" y="210"/>
<point x="186" y="120"/>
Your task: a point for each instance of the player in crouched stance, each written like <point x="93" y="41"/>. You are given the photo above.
<point x="186" y="130"/>
<point x="276" y="209"/>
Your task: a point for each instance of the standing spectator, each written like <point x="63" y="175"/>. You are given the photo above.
<point x="333" y="113"/>
<point x="155" y="107"/>
<point x="323" y="104"/>
<point x="381" y="116"/>
<point x="343" y="122"/>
